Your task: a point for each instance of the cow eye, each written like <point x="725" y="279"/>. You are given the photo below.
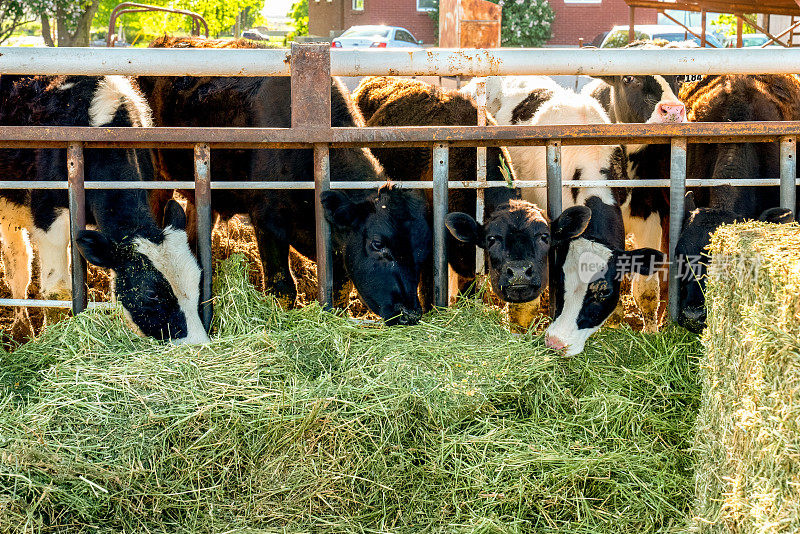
<point x="600" y="289"/>
<point x="492" y="239"/>
<point x="627" y="80"/>
<point x="545" y="238"/>
<point x="376" y="245"/>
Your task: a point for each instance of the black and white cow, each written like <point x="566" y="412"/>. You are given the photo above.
<point x="590" y="265"/>
<point x="382" y="238"/>
<point x="692" y="257"/>
<point x="645" y="99"/>
<point x="157" y="279"/>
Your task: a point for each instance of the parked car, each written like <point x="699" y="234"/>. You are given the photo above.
<point x="254" y="34"/>
<point x="748" y="39"/>
<point x="375" y="37"/>
<point x="618" y="36"/>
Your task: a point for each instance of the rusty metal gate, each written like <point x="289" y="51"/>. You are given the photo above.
<point x="310" y="67"/>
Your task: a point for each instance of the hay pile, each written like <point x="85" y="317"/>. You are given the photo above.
<point x="306" y="420"/>
<point x="748" y="477"/>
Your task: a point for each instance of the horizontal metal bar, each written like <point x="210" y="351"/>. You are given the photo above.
<point x="36" y="303"/>
<point x="426" y="62"/>
<point x="466" y="184"/>
<point x="304" y="137"/>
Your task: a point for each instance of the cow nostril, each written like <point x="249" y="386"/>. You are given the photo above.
<point x="529" y="272"/>
<point x="510" y="271"/>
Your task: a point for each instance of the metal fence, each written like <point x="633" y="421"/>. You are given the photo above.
<point x="311" y="66"/>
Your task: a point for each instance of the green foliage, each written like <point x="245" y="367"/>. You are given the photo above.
<point x="299" y="14"/>
<point x="525" y="23"/>
<point x="13" y="14"/>
<point x="619" y="39"/>
<point x="305" y="421"/>
<point x="727" y="25"/>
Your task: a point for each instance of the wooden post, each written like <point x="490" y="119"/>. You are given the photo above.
<point x="739" y="29"/>
<point x="703" y="29"/>
<point x="631" y="25"/>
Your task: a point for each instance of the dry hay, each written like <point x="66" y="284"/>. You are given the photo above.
<point x="748" y="429"/>
<point x="303" y="420"/>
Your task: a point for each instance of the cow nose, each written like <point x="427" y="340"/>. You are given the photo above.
<point x="519" y="272"/>
<point x="554" y="343"/>
<point x="409" y="317"/>
<point x="671" y="112"/>
<point x="695" y="317"/>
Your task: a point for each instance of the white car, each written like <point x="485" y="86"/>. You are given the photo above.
<point x="376" y="37"/>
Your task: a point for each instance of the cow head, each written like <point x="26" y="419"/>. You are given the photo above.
<point x="643" y="99"/>
<point x="692" y="258"/>
<point x="516" y="238"/>
<point x="385" y="240"/>
<point x="589" y="268"/>
<point x="157" y="279"/>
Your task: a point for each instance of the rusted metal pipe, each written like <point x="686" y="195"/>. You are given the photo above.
<point x="554" y="208"/>
<point x="788" y="154"/>
<point x="77" y="222"/>
<point x="205" y="226"/>
<point x="480" y="172"/>
<point x="441" y="162"/>
<point x="677" y="191"/>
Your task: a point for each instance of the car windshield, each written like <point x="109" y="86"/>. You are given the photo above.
<point x="366" y="32"/>
<point x="756" y="40"/>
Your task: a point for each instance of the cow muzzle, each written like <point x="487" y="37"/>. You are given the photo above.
<point x="669" y="112"/>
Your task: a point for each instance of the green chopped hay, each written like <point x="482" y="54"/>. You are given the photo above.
<point x="748" y="429"/>
<point x="306" y="421"/>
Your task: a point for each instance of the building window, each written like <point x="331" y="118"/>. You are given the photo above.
<point x="426" y="5"/>
<point x="358" y="5"/>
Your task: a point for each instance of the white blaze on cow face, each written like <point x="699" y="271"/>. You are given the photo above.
<point x="173" y="259"/>
<point x="586" y="263"/>
<point x="669" y="109"/>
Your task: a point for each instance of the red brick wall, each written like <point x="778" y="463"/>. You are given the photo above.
<point x="324" y="16"/>
<point x="587" y="20"/>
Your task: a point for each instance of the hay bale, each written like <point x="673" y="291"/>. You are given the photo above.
<point x="748" y="429"/>
<point x="303" y="420"/>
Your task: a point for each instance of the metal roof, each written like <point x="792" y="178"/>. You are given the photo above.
<point x="775" y="7"/>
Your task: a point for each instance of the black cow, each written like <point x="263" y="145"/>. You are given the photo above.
<point x="382" y="238"/>
<point x="692" y="258"/>
<point x="518" y="236"/>
<point x="156" y="276"/>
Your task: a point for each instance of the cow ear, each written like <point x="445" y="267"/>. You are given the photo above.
<point x="777" y="216"/>
<point x="645" y="261"/>
<point x="97" y="249"/>
<point x="341" y="211"/>
<point x="571" y="223"/>
<point x="688" y="203"/>
<point x="174" y="215"/>
<point x="464" y="228"/>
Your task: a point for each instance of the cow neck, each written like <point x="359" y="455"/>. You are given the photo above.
<point x="129" y="217"/>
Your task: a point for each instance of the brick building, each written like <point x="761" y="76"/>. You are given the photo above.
<point x="326" y="16"/>
<point x="587" y="18"/>
<point x="574" y="18"/>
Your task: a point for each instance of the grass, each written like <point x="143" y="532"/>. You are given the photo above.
<point x="748" y="441"/>
<point x="306" y="421"/>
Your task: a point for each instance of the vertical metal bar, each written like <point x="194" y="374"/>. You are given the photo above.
<point x="202" y="196"/>
<point x="77" y="222"/>
<point x="677" y="192"/>
<point x="322" y="182"/>
<point x="554" y="207"/>
<point x="788" y="172"/>
<point x="481" y="172"/>
<point x="441" y="156"/>
<point x="703" y="29"/>
<point x="631" y="24"/>
<point x="311" y="106"/>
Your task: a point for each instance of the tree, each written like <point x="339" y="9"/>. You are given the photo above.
<point x="73" y="20"/>
<point x="525" y="23"/>
<point x="13" y="14"/>
<point x="299" y="14"/>
<point x="726" y="24"/>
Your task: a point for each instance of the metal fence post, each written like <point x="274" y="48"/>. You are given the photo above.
<point x="77" y="222"/>
<point x="554" y="207"/>
<point x="677" y="192"/>
<point x="481" y="172"/>
<point x="441" y="163"/>
<point x="789" y="172"/>
<point x="311" y="107"/>
<point x="205" y="224"/>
